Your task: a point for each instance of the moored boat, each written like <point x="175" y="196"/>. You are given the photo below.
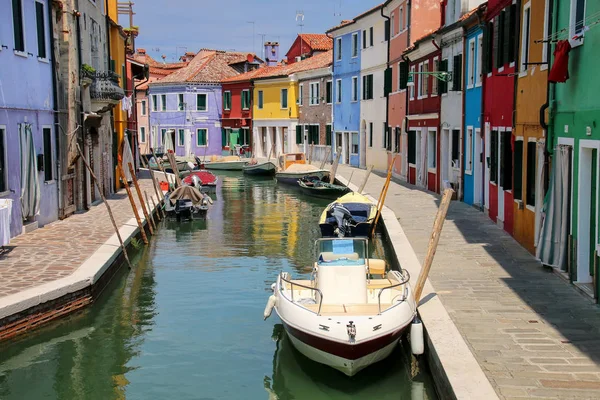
<point x="313" y="186"/>
<point x="293" y="167"/>
<point x="186" y="202"/>
<point x="265" y="168"/>
<point x="351" y="215"/>
<point x="228" y="163"/>
<point x="208" y="180"/>
<point x="342" y="317"/>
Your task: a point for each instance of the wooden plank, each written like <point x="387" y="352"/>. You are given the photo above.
<point x="121" y="174"/>
<point x="139" y="193"/>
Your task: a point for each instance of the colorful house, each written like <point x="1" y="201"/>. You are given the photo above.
<point x="500" y="53"/>
<point x="346" y="92"/>
<point x="472" y="163"/>
<point x="188" y="103"/>
<point x="307" y="45"/>
<point x="27" y="116"/>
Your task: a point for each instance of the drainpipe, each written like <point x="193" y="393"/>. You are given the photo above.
<point x="77" y="15"/>
<point x="387" y="98"/>
<point x="550" y="95"/>
<point x="57" y="140"/>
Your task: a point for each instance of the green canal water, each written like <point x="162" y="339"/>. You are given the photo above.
<point x="186" y="323"/>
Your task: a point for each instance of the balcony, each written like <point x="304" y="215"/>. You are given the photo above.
<point x="104" y="87"/>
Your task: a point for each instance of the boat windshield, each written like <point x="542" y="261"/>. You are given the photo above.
<point x="346" y="251"/>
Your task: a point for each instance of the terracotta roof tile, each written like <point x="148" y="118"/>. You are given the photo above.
<point x="317" y="41"/>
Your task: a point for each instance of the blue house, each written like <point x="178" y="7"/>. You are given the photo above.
<point x="473" y="138"/>
<point x="346" y="92"/>
<point x="27" y="126"/>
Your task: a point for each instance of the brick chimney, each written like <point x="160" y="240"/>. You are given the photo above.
<point x="141" y="55"/>
<point x="271" y="53"/>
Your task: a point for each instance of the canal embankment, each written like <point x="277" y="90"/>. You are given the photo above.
<point x="61" y="268"/>
<point x="489" y="306"/>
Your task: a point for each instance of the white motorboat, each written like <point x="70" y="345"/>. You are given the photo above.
<point x="343" y="317"/>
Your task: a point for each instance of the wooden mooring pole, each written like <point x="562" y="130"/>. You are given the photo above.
<point x="334" y="166"/>
<point x="433" y="242"/>
<point x="110" y="214"/>
<point x="142" y="202"/>
<point x="153" y="208"/>
<point x="362" y="185"/>
<point x="383" y="195"/>
<point x="133" y="206"/>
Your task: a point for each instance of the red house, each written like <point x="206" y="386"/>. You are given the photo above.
<point x="308" y="45"/>
<point x="501" y="33"/>
<point x="423" y="113"/>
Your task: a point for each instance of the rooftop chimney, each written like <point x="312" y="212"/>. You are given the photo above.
<point x="141" y="55"/>
<point x="271" y="53"/>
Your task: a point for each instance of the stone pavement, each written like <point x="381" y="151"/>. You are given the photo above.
<point x="59" y="248"/>
<point x="534" y="335"/>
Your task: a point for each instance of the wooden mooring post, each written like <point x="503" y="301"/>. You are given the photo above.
<point x="142" y="202"/>
<point x="110" y="214"/>
<point x="362" y="185"/>
<point x="153" y="208"/>
<point x="333" y="169"/>
<point x="433" y="242"/>
<point x="161" y="213"/>
<point x="133" y="206"/>
<point x="383" y="195"/>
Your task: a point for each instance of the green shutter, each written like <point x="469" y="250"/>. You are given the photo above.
<point x="370" y="79"/>
<point x="506" y="49"/>
<point x="223" y="137"/>
<point x="113" y="66"/>
<point x="328" y="135"/>
<point x="404" y="75"/>
<point x="457" y="73"/>
<point x="298" y="134"/>
<point x="41" y="31"/>
<point x="518" y="171"/>
<point x="387" y="81"/>
<point x="18" y="25"/>
<point x="485" y="57"/>
<point x="498" y="51"/>
<point x="387" y="29"/>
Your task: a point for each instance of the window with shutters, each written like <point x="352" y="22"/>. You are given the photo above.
<point x="412" y="87"/>
<point x="364" y="44"/>
<point x="328" y="134"/>
<point x="401" y="19"/>
<point x="261" y="100"/>
<point x="419" y="79"/>
<point x="546" y="27"/>
<point x="469" y="151"/>
<point x="201" y="102"/>
<point x="488" y="42"/>
<point x="371" y="36"/>
<point x="338" y="49"/>
<point x="18" y="26"/>
<point x="328" y="92"/>
<point x="518" y="170"/>
<point x="531" y="167"/>
<point x="338" y="91"/>
<point x="181" y="137"/>
<point x="284" y="99"/>
<point x="511" y="32"/>
<point x="154" y="102"/>
<point x="41" y="29"/>
<point x="354" y="149"/>
<point x="163" y="133"/>
<point x="180" y="102"/>
<point x="506" y="161"/>
<point x="412" y="147"/>
<point x="479" y="64"/>
<point x="48" y="155"/>
<point x="246" y="99"/>
<point x="434" y="80"/>
<point x="386" y="30"/>
<point x="314" y="134"/>
<point x="387" y="81"/>
<point x="385" y="135"/>
<point x="388" y="138"/>
<point x="392" y="24"/>
<point x="525" y="37"/>
<point x="142" y="134"/>
<point x="300" y="100"/>
<point x="397" y="140"/>
<point x="368" y="87"/>
<point x="163" y="102"/>
<point x="245" y="138"/>
<point x="201" y="137"/>
<point x="298" y="134"/>
<point x="354" y="45"/>
<point x="201" y="106"/>
<point x="355" y="88"/>
<point x="431" y="149"/>
<point x="494" y="157"/>
<point x="457" y="73"/>
<point x="370" y="134"/>
<point x="455" y="153"/>
<point x="499" y="44"/>
<point x="471" y="65"/>
<point x="314" y="93"/>
<point x="443" y="85"/>
<point x="577" y="25"/>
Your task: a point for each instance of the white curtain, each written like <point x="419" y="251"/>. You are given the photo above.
<point x="30" y="184"/>
<point x="187" y="143"/>
<point x="552" y="245"/>
<point x="539" y="188"/>
<point x="127" y="158"/>
<point x="168" y="141"/>
<point x="422" y="167"/>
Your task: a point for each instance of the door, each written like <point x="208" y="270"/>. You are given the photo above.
<point x="477" y="168"/>
<point x="486" y="165"/>
<point x="363" y="144"/>
<point x="339" y="145"/>
<point x="587" y="216"/>
<point x="445" y="153"/>
<point x="500" y="165"/>
<point x="346" y="148"/>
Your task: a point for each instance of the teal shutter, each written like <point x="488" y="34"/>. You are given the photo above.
<point x="223" y="137"/>
<point x="328" y="135"/>
<point x="387" y="29"/>
<point x="457" y="73"/>
<point x="41" y="30"/>
<point x="403" y="75"/>
<point x="298" y="134"/>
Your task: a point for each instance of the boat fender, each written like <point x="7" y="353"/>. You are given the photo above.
<point x="417" y="343"/>
<point x="273" y="286"/>
<point x="269" y="307"/>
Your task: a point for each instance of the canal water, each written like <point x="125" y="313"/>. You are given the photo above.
<point x="187" y="322"/>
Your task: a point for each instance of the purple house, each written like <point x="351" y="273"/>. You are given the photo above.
<point x="188" y="104"/>
<point x="27" y="115"/>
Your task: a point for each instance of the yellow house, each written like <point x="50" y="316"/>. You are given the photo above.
<point x="117" y="64"/>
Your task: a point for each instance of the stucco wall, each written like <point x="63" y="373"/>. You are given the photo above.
<point x="315" y="114"/>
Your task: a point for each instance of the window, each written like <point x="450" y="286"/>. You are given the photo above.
<point x="284" y="98"/>
<point x="488" y="40"/>
<point x="154" y="103"/>
<point x="300" y="94"/>
<point x="518" y="170"/>
<point x="19" y="32"/>
<point x="412" y="87"/>
<point x="385" y="136"/>
<point x="471" y="64"/>
<point x="400" y="19"/>
<point x="510" y="32"/>
<point x="525" y="38"/>
<point x="328" y="134"/>
<point x="431" y="149"/>
<point x="494" y="157"/>
<point x="3" y="161"/>
<point x="163" y="102"/>
<point x="371" y="36"/>
<point x="531" y="166"/>
<point x="163" y="132"/>
<point x="201" y="102"/>
<point x="298" y="134"/>
<point x="338" y="48"/>
<point x="180" y="103"/>
<point x="48" y="173"/>
<point x="260" y="100"/>
<point x="443" y="85"/>
<point x="397" y="140"/>
<point x="423" y="79"/>
<point x="434" y="80"/>
<point x="368" y="87"/>
<point x="314" y="93"/>
<point x="245" y="99"/>
<point x="479" y="65"/>
<point x="455" y="148"/>
<point x="576" y="27"/>
<point x="201" y="137"/>
<point x="338" y="91"/>
<point x="355" y="88"/>
<point x="392" y="24"/>
<point x="506" y="161"/>
<point x="364" y="44"/>
<point x="412" y="147"/>
<point x="457" y="73"/>
<point x="225" y="134"/>
<point x="499" y="39"/>
<point x="370" y="134"/>
<point x="313" y="134"/>
<point x="142" y="134"/>
<point x="328" y="95"/>
<point x="143" y="107"/>
<point x="545" y="48"/>
<point x="469" y="151"/>
<point x="355" y="45"/>
<point x="41" y="29"/>
<point x="245" y="136"/>
<point x="354" y="143"/>
<point x="181" y="137"/>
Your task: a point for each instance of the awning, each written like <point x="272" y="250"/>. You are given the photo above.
<point x="30" y="184"/>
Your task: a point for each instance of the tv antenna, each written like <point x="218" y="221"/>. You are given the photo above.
<point x="262" y="38"/>
<point x="300" y="23"/>
<point x="337" y="14"/>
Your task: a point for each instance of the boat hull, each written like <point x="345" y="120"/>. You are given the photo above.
<point x="291" y="178"/>
<point x="324" y="193"/>
<point x="262" y="169"/>
<point x="362" y="229"/>
<point x="226" y="165"/>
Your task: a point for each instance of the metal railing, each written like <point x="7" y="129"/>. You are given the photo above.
<point x="292" y="284"/>
<point x="405" y="279"/>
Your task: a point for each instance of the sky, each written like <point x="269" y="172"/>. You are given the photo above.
<point x="172" y="27"/>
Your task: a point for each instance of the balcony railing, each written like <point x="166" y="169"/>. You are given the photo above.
<point x="105" y="86"/>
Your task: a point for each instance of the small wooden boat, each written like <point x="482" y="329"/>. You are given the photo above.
<point x="186" y="202"/>
<point x="207" y="180"/>
<point x="228" y="163"/>
<point x="343" y="317"/>
<point x="294" y="167"/>
<point x="264" y="168"/>
<point x="352" y="215"/>
<point x="313" y="186"/>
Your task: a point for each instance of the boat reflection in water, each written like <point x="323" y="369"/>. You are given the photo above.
<point x="297" y="377"/>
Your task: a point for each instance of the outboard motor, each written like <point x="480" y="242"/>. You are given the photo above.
<point x="183" y="209"/>
<point x="343" y="218"/>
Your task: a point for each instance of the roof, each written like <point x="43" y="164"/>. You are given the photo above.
<point x="316" y="41"/>
<point x="208" y="66"/>
<point x="353" y="20"/>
